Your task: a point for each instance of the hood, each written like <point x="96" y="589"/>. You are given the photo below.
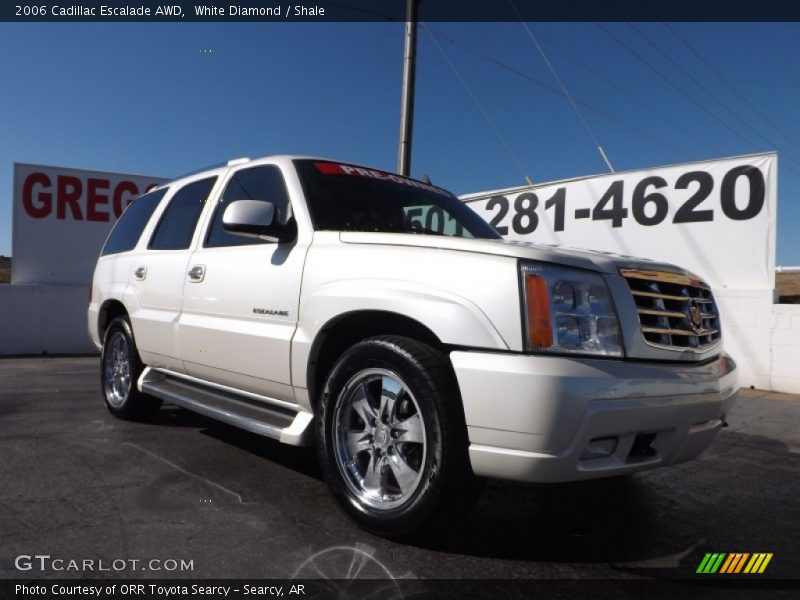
<point x="606" y="262"/>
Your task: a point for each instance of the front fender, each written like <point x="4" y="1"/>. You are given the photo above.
<point x="453" y="319"/>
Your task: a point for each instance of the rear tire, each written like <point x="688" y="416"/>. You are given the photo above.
<point x="392" y="442"/>
<point x="120" y="369"/>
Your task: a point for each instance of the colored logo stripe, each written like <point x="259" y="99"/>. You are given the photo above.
<point x="740" y="564"/>
<point x="727" y="564"/>
<point x="734" y="562"/>
<point x="711" y="562"/>
<point x="758" y="563"/>
<point x="703" y="563"/>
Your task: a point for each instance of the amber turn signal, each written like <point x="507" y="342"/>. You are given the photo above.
<point x="540" y="323"/>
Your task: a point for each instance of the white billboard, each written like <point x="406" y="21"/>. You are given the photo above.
<point x="61" y="218"/>
<point x="716" y="217"/>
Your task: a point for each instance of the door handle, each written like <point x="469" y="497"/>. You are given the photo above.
<point x="196" y="273"/>
<point x="140" y="273"/>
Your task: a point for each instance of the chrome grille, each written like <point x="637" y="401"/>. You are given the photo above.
<point x="676" y="311"/>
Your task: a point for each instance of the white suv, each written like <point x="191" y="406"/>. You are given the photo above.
<point x="314" y="301"/>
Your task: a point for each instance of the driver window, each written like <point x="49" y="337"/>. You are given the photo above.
<point x="256" y="183"/>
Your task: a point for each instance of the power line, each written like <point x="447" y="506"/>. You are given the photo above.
<point x="635" y="54"/>
<point x="730" y="85"/>
<point x="683" y="92"/>
<point x="672" y="84"/>
<point x="478" y="104"/>
<point x="621" y="90"/>
<point x="602" y="113"/>
<point x="587" y="106"/>
<point x="598" y="111"/>
<point x="562" y="86"/>
<point x="713" y="96"/>
<point x="558" y="92"/>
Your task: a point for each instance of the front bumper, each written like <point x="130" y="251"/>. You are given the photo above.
<point x="531" y="418"/>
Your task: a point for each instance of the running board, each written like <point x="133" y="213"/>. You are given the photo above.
<point x="258" y="414"/>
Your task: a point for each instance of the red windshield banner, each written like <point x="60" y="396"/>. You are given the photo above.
<point x="329" y="168"/>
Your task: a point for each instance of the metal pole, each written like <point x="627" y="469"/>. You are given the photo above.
<point x="407" y="100"/>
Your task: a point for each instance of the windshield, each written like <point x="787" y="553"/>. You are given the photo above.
<point x="343" y="197"/>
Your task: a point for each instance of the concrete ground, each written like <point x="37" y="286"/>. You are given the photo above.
<point x="77" y="483"/>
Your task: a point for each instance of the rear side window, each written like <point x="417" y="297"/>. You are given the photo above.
<point x="129" y="228"/>
<point x="257" y="183"/>
<point x="176" y="226"/>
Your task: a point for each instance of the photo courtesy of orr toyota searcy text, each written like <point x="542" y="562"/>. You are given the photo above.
<point x="165" y="591"/>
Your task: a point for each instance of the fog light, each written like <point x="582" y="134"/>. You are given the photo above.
<point x="599" y="448"/>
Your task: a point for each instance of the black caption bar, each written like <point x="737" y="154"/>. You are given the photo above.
<point x="708" y="588"/>
<point x="394" y="10"/>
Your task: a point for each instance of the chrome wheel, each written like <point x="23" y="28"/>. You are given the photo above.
<point x="117" y="370"/>
<point x="380" y="438"/>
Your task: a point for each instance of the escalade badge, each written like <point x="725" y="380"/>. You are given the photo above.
<point x="271" y="312"/>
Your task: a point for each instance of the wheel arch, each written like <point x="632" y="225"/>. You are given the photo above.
<point x="109" y="310"/>
<point x="347" y="329"/>
<point x="355" y="309"/>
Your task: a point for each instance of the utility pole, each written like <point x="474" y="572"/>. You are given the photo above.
<point x="407" y="100"/>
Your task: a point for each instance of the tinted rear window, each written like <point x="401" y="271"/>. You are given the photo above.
<point x="130" y="225"/>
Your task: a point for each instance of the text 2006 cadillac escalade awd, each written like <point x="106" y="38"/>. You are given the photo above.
<point x="314" y="301"/>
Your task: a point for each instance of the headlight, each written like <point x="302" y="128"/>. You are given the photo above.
<point x="568" y="311"/>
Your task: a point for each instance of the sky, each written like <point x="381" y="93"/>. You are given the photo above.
<point x="166" y="99"/>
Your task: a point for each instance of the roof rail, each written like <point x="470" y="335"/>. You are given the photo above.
<point x="230" y="163"/>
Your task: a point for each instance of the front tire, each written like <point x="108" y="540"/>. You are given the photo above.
<point x="392" y="439"/>
<point x="120" y="370"/>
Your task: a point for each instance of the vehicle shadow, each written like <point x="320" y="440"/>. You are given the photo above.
<point x="588" y="521"/>
<point x="302" y="460"/>
<point x="654" y="524"/>
<point x="174" y="416"/>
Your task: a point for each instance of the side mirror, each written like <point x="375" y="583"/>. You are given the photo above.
<point x="257" y="218"/>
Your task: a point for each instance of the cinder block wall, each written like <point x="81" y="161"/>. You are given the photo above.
<point x="763" y="338"/>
